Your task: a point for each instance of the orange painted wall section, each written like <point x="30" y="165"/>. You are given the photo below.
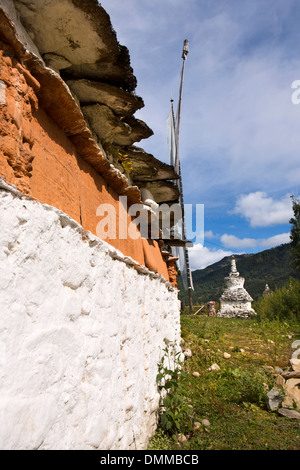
<point x="64" y="180"/>
<point x="38" y="158"/>
<point x="153" y="257"/>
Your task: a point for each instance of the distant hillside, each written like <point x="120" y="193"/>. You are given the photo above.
<point x="267" y="267"/>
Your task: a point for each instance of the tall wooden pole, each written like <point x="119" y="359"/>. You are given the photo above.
<point x="178" y="117"/>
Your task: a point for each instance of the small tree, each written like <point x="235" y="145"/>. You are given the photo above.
<point x="295" y="233"/>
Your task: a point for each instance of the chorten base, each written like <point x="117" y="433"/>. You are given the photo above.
<point x="235" y="313"/>
<point x="235" y="309"/>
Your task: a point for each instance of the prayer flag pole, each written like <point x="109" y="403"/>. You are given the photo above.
<point x="178" y="168"/>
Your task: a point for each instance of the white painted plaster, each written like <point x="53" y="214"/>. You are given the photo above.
<point x="82" y="329"/>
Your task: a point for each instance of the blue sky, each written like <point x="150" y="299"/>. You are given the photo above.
<point x="240" y="130"/>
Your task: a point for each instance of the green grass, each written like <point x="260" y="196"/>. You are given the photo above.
<point x="233" y="398"/>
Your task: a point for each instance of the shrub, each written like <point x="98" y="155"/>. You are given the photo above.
<point x="282" y="304"/>
<point x="295" y="233"/>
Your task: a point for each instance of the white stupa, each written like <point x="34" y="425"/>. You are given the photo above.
<point x="235" y="300"/>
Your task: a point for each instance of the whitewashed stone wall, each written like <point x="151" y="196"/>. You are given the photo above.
<point x="82" y="329"/>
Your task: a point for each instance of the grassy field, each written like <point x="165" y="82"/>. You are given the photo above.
<point x="233" y="398"/>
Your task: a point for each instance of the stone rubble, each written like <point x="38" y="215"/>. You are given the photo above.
<point x="226" y="355"/>
<point x="187" y="353"/>
<point x="293" y="414"/>
<point x="213" y="367"/>
<point x="274" y="399"/>
<point x="285" y="395"/>
<point x="205" y="422"/>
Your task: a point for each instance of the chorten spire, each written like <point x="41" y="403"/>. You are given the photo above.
<point x="233" y="267"/>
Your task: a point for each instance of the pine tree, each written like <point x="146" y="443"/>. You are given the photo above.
<point x="295" y="233"/>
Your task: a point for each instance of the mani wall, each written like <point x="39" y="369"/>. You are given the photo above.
<point x="83" y="320"/>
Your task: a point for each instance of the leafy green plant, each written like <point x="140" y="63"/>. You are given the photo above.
<point x="175" y="414"/>
<point x="160" y="441"/>
<point x="282" y="304"/>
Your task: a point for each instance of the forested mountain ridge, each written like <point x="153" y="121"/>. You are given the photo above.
<point x="272" y="267"/>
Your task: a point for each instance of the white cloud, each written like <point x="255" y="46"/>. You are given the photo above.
<point x="210" y="234"/>
<point x="200" y="256"/>
<point x="276" y="240"/>
<point x="262" y="211"/>
<point x="231" y="241"/>
<point x="239" y="127"/>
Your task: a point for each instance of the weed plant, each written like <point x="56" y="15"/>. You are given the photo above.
<point x="175" y="414"/>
